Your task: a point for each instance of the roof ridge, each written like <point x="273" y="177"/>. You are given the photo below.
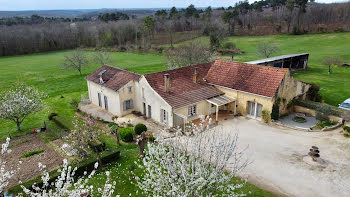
<point x="122" y="69"/>
<point x="254" y="65"/>
<point x="173" y="69"/>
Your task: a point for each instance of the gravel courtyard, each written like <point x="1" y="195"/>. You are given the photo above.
<point x="277" y="159"/>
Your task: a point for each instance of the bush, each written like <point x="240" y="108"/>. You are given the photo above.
<point x="320" y="107"/>
<point x="125" y="134"/>
<point x="97" y="146"/>
<point x="229" y="45"/>
<point x="63" y="123"/>
<point x="275" y="114"/>
<point x="322" y="117"/>
<point x="51" y="115"/>
<point x="140" y="128"/>
<point x="313" y="93"/>
<point x="346" y="128"/>
<point x="28" y="154"/>
<point x="75" y="104"/>
<point x="266" y="116"/>
<point x="151" y="138"/>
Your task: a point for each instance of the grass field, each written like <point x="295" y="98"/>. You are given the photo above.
<point x="43" y="71"/>
<point x="334" y="87"/>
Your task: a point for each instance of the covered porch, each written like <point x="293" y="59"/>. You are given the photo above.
<point x="222" y="104"/>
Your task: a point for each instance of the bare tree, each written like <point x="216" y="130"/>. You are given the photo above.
<point x="330" y="61"/>
<point x="102" y="57"/>
<point x="76" y="60"/>
<point x="266" y="49"/>
<point x="192" y="53"/>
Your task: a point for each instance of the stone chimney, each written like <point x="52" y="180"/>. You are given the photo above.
<point x="166" y="82"/>
<point x="195" y="75"/>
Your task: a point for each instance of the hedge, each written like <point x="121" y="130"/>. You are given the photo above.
<point x="63" y="123"/>
<point x="86" y="165"/>
<point x="320" y="107"/>
<point x="125" y="134"/>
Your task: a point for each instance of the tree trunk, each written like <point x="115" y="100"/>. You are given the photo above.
<point x="18" y="126"/>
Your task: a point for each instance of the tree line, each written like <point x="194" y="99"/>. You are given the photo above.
<point x="122" y="32"/>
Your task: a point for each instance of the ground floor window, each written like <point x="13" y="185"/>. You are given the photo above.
<point x="164" y="116"/>
<point x="99" y="99"/>
<point x="254" y="109"/>
<point x="128" y="104"/>
<point x="192" y="110"/>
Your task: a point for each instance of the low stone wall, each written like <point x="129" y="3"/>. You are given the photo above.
<point x="312" y="112"/>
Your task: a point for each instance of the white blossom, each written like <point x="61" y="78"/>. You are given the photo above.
<point x="66" y="186"/>
<point x="5" y="173"/>
<point x="16" y="104"/>
<point x="193" y="165"/>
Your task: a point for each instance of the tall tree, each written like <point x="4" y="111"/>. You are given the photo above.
<point x="266" y="49"/>
<point x="76" y="60"/>
<point x="229" y="18"/>
<point x="192" y="53"/>
<point x="290" y="5"/>
<point x="301" y="5"/>
<point x="330" y="61"/>
<point x="149" y="25"/>
<point x="193" y="166"/>
<point x="19" y="102"/>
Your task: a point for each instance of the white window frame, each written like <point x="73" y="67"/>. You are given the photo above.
<point x="192" y="110"/>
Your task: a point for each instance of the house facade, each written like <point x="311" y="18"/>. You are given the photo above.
<point x="174" y="97"/>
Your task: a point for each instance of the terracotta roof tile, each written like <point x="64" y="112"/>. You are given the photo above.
<point x="261" y="80"/>
<point x="113" y="77"/>
<point x="183" y="91"/>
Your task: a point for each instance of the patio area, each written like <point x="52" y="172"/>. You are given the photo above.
<point x="222" y="115"/>
<point x="289" y="122"/>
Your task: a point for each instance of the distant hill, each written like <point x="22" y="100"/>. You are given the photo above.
<point x="75" y="13"/>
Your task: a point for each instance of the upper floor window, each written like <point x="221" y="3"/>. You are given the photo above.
<point x="130" y="89"/>
<point x="128" y="104"/>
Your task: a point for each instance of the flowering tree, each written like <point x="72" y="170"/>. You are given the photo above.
<point x="83" y="134"/>
<point x="193" y="165"/>
<point x="5" y="174"/>
<point x="17" y="103"/>
<point x="65" y="185"/>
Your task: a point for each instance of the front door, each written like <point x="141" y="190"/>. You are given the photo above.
<point x="254" y="110"/>
<point x="149" y="111"/>
<point x="251" y="109"/>
<point x="106" y="102"/>
<point x="99" y="99"/>
<point x="144" y="108"/>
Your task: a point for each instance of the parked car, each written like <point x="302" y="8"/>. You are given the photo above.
<point x="345" y="105"/>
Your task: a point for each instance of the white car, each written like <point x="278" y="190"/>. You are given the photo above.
<point x="345" y="105"/>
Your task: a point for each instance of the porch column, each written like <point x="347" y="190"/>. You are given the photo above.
<point x="217" y="112"/>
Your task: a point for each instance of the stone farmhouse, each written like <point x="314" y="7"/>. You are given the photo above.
<point x="174" y="97"/>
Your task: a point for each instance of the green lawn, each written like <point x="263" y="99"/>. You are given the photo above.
<point x="43" y="71"/>
<point x="335" y="87"/>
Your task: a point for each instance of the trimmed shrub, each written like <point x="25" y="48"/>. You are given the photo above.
<point x="86" y="165"/>
<point x="28" y="154"/>
<point x="322" y="117"/>
<point x="97" y="146"/>
<point x="266" y="116"/>
<point x="140" y="128"/>
<point x="320" y="107"/>
<point x="275" y="114"/>
<point x="125" y="134"/>
<point x="63" y="123"/>
<point x="51" y="115"/>
<point x="346" y="128"/>
<point x="75" y="104"/>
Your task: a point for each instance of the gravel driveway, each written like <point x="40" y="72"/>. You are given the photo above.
<point x="277" y="159"/>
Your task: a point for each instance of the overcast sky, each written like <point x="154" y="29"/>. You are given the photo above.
<point x="11" y="5"/>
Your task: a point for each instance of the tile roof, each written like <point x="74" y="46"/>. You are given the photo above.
<point x="183" y="91"/>
<point x="261" y="80"/>
<point x="114" y="78"/>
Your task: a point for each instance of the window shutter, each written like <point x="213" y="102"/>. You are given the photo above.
<point x="160" y="115"/>
<point x="124" y="105"/>
<point x="131" y="104"/>
<point x="166" y="117"/>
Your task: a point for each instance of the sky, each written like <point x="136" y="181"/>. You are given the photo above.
<point x="12" y="5"/>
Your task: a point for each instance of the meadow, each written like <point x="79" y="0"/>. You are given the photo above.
<point x="43" y="71"/>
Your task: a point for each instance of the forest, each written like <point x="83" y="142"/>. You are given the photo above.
<point x="123" y="32"/>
